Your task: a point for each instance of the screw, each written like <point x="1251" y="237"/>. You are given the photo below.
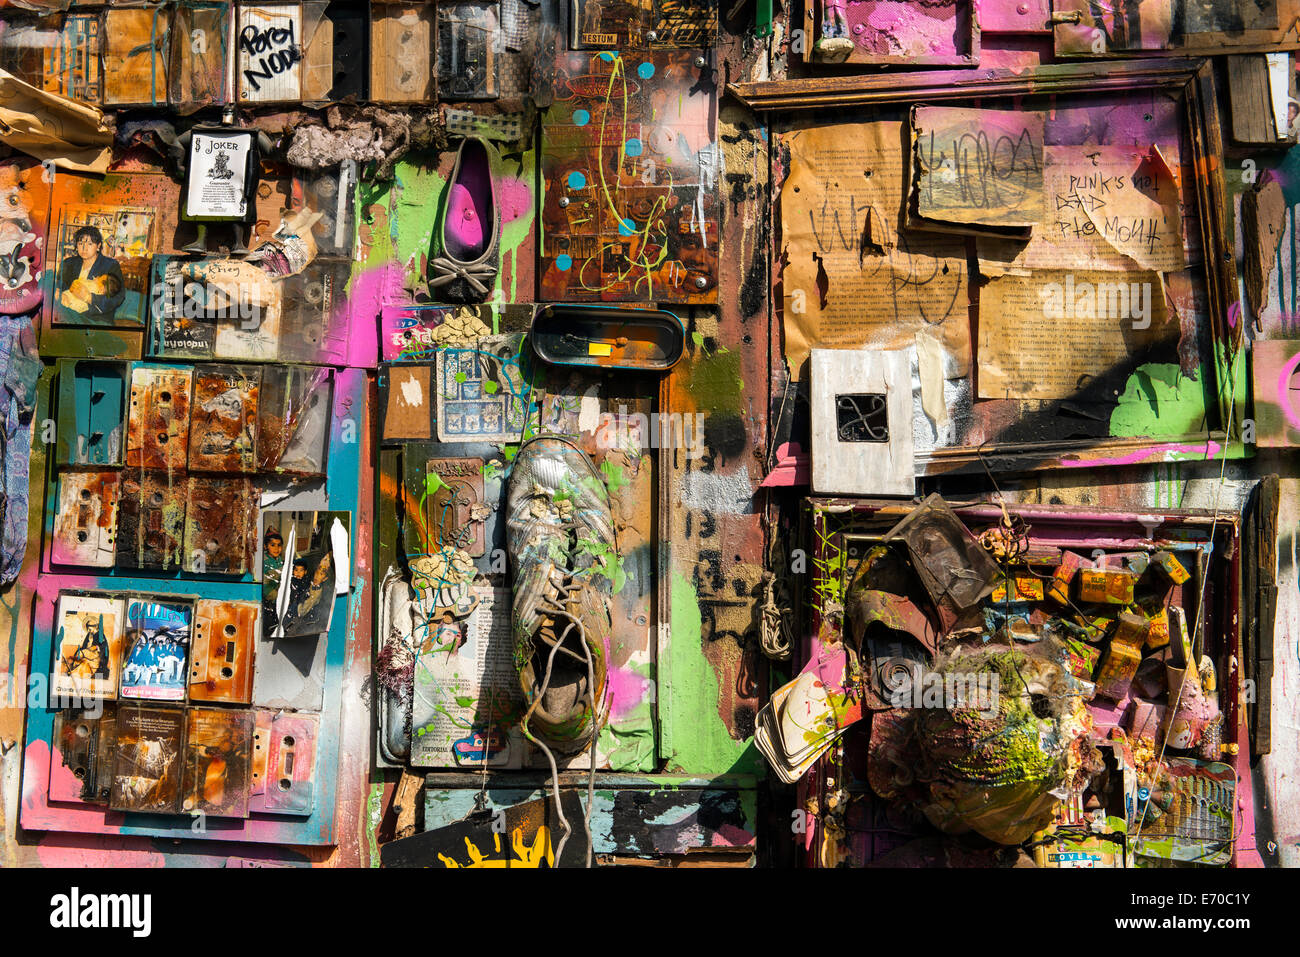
<point x="699" y="62"/>
<point x="1022" y="9"/>
<point x="652" y="36"/>
<point x="700" y="282"/>
<point x="564" y="201"/>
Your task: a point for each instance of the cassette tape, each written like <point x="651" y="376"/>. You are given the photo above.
<point x="150" y="520"/>
<point x="135" y="59"/>
<point x="220" y="526"/>
<point x="158" y="419"/>
<point x="218" y="761"/>
<point x="221" y="651"/>
<point x="82" y="760"/>
<point x="198" y="69"/>
<point x="307" y="330"/>
<point x="87" y="646"/>
<point x="284" y="763"/>
<point x="85" y="527"/>
<point x="148" y="762"/>
<point x="223" y="419"/>
<point x="294" y="411"/>
<point x="401" y="38"/>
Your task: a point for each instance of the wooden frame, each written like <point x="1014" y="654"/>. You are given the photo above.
<point x="1192" y="81"/>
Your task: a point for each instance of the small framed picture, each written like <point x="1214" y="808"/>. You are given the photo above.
<point x="102" y="265"/>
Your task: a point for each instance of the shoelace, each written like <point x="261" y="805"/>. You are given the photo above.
<point x="565" y="590"/>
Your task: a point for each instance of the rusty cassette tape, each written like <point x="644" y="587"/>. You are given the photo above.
<point x="221" y="651"/>
<point x="294" y="412"/>
<point x="85" y="527"/>
<point x="223" y="419"/>
<point x="220" y="526"/>
<point x="218" y="759"/>
<point x="150" y="520"/>
<point x="284" y="763"/>
<point x="158" y="421"/>
<point x="81" y="764"/>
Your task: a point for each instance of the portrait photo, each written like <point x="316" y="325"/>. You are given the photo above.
<point x="102" y="272"/>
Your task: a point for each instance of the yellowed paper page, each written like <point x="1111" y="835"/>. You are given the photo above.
<point x="852" y="278"/>
<point x="1109" y="207"/>
<point x="979" y="166"/>
<point x="1044" y="336"/>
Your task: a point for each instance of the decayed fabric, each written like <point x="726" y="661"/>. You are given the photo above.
<point x="21" y="367"/>
<point x="70" y="134"/>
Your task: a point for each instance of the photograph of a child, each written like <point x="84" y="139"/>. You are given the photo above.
<point x="91" y="283"/>
<point x="301" y="554"/>
<point x="103" y="265"/>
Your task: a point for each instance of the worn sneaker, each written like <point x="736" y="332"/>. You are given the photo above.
<point x="560" y="535"/>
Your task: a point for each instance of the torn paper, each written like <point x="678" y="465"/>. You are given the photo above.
<point x="1109" y="207"/>
<point x="852" y="276"/>
<point x="980" y="167"/>
<point x="69" y="134"/>
<point x="1045" y="336"/>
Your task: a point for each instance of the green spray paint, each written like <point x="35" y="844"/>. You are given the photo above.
<point x="1159" y="401"/>
<point x="374" y="814"/>
<point x="695" y="741"/>
<point x="714" y="382"/>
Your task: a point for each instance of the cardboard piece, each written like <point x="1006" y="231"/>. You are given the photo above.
<point x="980" y="167"/>
<point x="862" y="422"/>
<point x="1044" y="336"/>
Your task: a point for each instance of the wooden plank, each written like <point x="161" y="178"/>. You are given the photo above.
<point x="1265" y="522"/>
<point x="1252" y="101"/>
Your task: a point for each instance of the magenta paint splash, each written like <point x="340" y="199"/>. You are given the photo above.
<point x="514" y="198"/>
<point x="1146" y="455"/>
<point x="627" y="689"/>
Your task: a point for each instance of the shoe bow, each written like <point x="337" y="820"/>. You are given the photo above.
<point x="448" y="270"/>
